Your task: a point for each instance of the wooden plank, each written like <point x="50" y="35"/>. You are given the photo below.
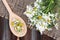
<point x="17" y="6"/>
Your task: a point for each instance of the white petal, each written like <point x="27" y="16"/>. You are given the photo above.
<point x="56" y="26"/>
<point x="29" y="8"/>
<point x="40" y="28"/>
<point x="38" y="0"/>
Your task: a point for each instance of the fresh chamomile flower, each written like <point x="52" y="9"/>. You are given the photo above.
<point x="40" y="16"/>
<point x="29" y="8"/>
<point x="38" y="0"/>
<point x="45" y="24"/>
<point x="46" y="17"/>
<point x="50" y="14"/>
<point x="40" y="28"/>
<point x="29" y="11"/>
<point x="36" y="5"/>
<point x="28" y="15"/>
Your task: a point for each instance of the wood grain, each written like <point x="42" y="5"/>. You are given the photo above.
<point x="17" y="6"/>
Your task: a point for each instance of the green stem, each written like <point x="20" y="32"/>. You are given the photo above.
<point x="49" y="6"/>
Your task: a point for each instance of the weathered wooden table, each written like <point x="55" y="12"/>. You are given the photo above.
<point x="17" y="6"/>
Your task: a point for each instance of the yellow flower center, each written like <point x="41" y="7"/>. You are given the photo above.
<point x="39" y="17"/>
<point x="48" y="21"/>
